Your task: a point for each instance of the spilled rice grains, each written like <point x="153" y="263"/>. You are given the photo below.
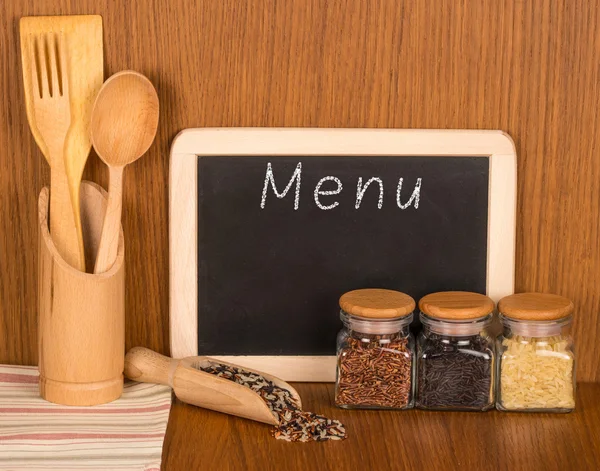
<point x="374" y="374"/>
<point x="295" y="425"/>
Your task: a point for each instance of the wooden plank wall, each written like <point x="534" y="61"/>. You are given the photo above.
<point x="529" y="68"/>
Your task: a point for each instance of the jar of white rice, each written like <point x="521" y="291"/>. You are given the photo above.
<point x="536" y="361"/>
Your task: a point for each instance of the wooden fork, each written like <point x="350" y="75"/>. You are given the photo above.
<point x="52" y="119"/>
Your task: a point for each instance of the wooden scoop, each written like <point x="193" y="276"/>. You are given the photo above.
<point x="124" y="123"/>
<point x="202" y="389"/>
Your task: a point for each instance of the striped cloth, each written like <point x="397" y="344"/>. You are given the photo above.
<point x="126" y="434"/>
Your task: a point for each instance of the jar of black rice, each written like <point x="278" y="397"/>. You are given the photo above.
<point x="455" y="353"/>
<point x="375" y="350"/>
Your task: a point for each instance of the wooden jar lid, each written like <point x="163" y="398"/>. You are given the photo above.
<point x="535" y="306"/>
<point x="456" y="305"/>
<point x="377" y="303"/>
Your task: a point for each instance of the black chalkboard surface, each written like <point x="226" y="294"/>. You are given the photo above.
<point x="271" y="269"/>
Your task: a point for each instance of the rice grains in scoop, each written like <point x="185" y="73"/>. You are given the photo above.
<point x="295" y="425"/>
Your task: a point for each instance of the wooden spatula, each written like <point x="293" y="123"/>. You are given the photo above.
<point x="202" y="389"/>
<point x="85" y="67"/>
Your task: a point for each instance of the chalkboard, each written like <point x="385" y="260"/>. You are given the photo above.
<point x="271" y="270"/>
<point x="268" y="227"/>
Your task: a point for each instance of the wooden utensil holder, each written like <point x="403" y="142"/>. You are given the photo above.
<point x="81" y="330"/>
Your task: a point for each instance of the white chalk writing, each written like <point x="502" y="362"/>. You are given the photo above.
<point x="318" y="193"/>
<point x="414" y="198"/>
<point x="327" y="192"/>
<point x="270" y="178"/>
<point x="360" y="192"/>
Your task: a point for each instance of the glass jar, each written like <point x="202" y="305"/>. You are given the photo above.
<point x="536" y="360"/>
<point x="375" y="350"/>
<point x="455" y="353"/>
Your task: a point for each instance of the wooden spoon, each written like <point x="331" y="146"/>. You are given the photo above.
<point x="196" y="387"/>
<point x="123" y="126"/>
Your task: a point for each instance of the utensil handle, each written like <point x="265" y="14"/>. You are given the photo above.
<point x="147" y="366"/>
<point x="63" y="227"/>
<point x="107" y="251"/>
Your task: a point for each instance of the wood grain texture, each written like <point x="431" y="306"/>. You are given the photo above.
<point x="535" y="306"/>
<point x="81" y="319"/>
<point x="197" y="387"/>
<point x="124" y="122"/>
<point x="529" y="68"/>
<point x="399" y="440"/>
<point x="50" y="120"/>
<point x="456" y="305"/>
<point x="84" y="68"/>
<point x="377" y="303"/>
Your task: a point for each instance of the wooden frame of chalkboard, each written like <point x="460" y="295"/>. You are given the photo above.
<point x="192" y="144"/>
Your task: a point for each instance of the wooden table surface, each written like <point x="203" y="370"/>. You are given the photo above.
<point x="411" y="440"/>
